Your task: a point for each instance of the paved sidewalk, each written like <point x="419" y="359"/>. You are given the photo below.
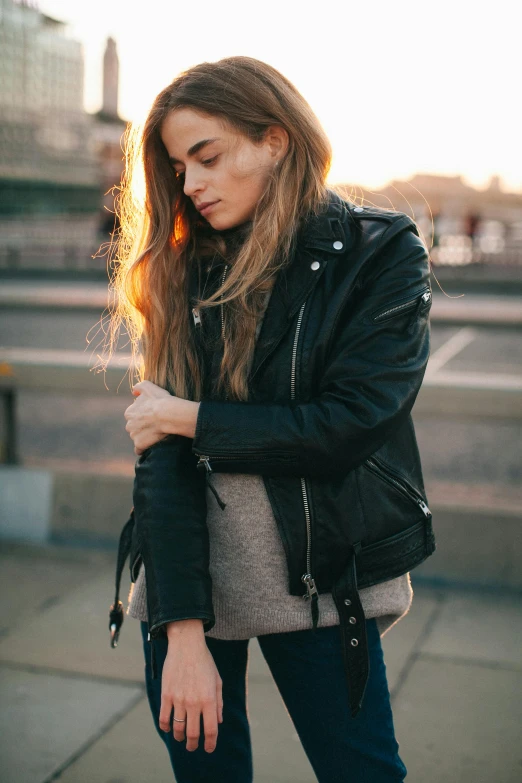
<point x="74" y="710"/>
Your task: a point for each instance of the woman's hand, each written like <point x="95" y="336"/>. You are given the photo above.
<point x="191" y="686"/>
<point x="155" y="413"/>
<point x="143" y="423"/>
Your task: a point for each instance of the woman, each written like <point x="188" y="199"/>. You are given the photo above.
<point x="285" y="336"/>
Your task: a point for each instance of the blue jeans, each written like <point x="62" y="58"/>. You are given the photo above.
<point x="308" y="670"/>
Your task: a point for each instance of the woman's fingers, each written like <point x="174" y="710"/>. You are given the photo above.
<point x="219" y="700"/>
<point x="179" y="728"/>
<point x="165" y="714"/>
<point x="210" y="725"/>
<point x="192" y="723"/>
<point x="193" y="728"/>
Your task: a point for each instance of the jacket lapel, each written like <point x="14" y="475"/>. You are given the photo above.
<point x="293" y="285"/>
<point x="296" y="281"/>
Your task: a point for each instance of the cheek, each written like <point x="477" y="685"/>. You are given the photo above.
<point x="241" y="194"/>
<point x="249" y="181"/>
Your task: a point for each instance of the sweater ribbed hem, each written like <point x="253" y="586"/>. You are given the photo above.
<point x="387" y="602"/>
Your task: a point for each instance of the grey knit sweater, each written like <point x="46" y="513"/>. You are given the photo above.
<point x="250" y="573"/>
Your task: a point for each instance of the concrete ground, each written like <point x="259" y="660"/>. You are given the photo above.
<point x="74" y="710"/>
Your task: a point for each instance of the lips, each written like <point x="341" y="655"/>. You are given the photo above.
<point x="202" y="207"/>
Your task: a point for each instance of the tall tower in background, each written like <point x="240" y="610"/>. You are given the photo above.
<point x="111" y="77"/>
<point x="109" y="129"/>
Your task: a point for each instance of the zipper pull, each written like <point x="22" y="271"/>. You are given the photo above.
<point x="424" y="299"/>
<point x="196" y="316"/>
<point x="425" y="509"/>
<point x="311" y="589"/>
<point x="313" y="596"/>
<point x="204" y="460"/>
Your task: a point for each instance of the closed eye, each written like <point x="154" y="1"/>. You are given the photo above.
<point x="207" y="162"/>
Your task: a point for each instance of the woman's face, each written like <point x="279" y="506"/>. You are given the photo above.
<point x="223" y="172"/>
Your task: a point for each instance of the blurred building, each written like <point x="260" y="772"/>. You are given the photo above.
<point x="460" y="224"/>
<point x="56" y="160"/>
<point x="453" y="195"/>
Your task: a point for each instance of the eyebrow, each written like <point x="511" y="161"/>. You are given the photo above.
<point x="196" y="148"/>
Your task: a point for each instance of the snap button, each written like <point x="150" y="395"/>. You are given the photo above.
<point x="347" y="602"/>
<point x="338" y="245"/>
<point x="315" y="265"/>
<point x="354" y="642"/>
<point x="352" y="620"/>
<point x="359" y="209"/>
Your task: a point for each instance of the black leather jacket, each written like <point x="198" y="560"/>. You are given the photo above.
<point x="337" y="367"/>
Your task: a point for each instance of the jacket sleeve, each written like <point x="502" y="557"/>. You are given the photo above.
<point x="376" y="365"/>
<point x="170" y="511"/>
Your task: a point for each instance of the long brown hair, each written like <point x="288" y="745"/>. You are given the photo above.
<point x="163" y="235"/>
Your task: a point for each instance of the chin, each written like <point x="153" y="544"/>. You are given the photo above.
<point x="223" y="220"/>
<point x="222" y="224"/>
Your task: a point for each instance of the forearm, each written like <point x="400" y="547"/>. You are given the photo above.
<point x="177" y="416"/>
<point x="172" y="535"/>
<point x="321" y="438"/>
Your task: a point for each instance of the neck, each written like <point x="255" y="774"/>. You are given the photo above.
<point x="235" y="237"/>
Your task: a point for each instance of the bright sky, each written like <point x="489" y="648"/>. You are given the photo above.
<point x="400" y="87"/>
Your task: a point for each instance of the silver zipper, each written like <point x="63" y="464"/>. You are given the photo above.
<point x="196" y="316"/>
<point x="208" y="472"/>
<point x="203" y="458"/>
<point x="221" y="297"/>
<point x="405" y="490"/>
<point x="306" y="578"/>
<point x="426" y="296"/>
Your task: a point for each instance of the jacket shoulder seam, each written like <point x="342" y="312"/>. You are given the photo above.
<point x="378" y="213"/>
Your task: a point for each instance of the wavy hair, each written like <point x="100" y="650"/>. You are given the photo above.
<point x="162" y="235"/>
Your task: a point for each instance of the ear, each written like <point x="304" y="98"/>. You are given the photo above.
<point x="277" y="141"/>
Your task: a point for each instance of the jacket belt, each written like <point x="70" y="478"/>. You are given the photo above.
<point x="353" y="632"/>
<point x="116" y="615"/>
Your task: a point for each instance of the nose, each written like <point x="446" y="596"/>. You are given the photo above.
<point x="192" y="184"/>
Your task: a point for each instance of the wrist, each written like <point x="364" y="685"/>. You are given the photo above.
<point x="187" y="425"/>
<point x="166" y="416"/>
<point x="176" y="416"/>
<point x="185" y="629"/>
